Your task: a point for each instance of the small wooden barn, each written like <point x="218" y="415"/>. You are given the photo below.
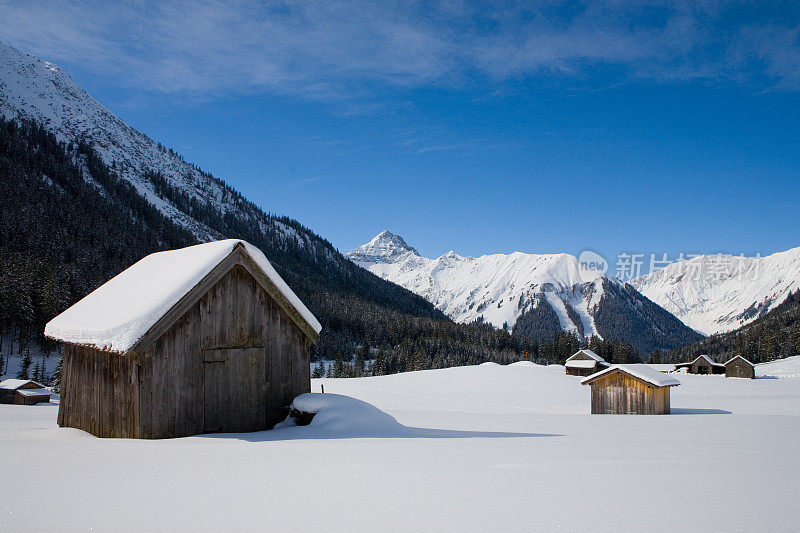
<point x="202" y="339"/>
<point x="739" y="367"/>
<point x="630" y="390"/>
<point x="584" y="363"/>
<point x="23" y="392"/>
<point x="701" y="365"/>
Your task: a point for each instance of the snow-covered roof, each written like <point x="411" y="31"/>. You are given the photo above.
<point x="14" y="384"/>
<point x="643" y="372"/>
<point x="588" y="353"/>
<point x="580" y="363"/>
<point x="707" y="360"/>
<point x="34" y="392"/>
<point x="738" y="357"/>
<point x="118" y="313"/>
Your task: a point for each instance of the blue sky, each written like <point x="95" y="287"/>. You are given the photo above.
<point x="644" y="127"/>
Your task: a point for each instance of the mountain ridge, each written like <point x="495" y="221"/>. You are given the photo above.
<point x="537" y="295"/>
<point x="719" y="293"/>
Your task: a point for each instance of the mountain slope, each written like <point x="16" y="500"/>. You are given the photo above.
<point x="717" y="293"/>
<point x="205" y="207"/>
<point x="535" y="295"/>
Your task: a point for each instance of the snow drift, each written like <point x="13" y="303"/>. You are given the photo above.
<point x="342" y="416"/>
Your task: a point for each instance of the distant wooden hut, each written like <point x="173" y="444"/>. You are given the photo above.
<point x="701" y="365"/>
<point x="630" y="390"/>
<point x="23" y="392"/>
<point x="584" y="363"/>
<point x="739" y="367"/>
<point x="202" y="339"/>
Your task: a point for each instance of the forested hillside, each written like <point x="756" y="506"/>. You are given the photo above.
<point x="773" y="336"/>
<point x="62" y="235"/>
<point x="69" y="223"/>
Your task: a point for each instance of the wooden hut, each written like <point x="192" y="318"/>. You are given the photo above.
<point x="701" y="365"/>
<point x="739" y="367"/>
<point x="630" y="390"/>
<point x="23" y="392"/>
<point x="202" y="339"/>
<point x="584" y="363"/>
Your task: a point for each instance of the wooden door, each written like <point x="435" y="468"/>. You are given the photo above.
<point x="216" y="389"/>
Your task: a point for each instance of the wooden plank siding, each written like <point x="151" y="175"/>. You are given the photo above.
<point x="96" y="392"/>
<point x="739" y="368"/>
<point x="581" y="371"/>
<point x="582" y="356"/>
<point x="619" y="393"/>
<point x="228" y="357"/>
<point x="702" y="367"/>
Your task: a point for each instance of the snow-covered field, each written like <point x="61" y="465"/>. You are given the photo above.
<point x="501" y="448"/>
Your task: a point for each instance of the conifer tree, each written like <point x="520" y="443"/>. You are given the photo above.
<point x="361" y="356"/>
<point x="57" y="375"/>
<point x="25" y="365"/>
<point x="319" y="370"/>
<point x="378" y="364"/>
<point x="338" y="366"/>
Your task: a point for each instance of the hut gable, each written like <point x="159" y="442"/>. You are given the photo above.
<point x="630" y="389"/>
<point x="228" y="355"/>
<point x="702" y="364"/>
<point x="16" y="384"/>
<point x="739" y="367"/>
<point x="641" y="372"/>
<point x="119" y="313"/>
<point x="23" y="392"/>
<point x="584" y="363"/>
<point x="586" y="355"/>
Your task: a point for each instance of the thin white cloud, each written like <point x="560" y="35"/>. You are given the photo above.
<point x="349" y="50"/>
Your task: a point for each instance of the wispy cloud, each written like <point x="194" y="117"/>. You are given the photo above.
<point x="319" y="141"/>
<point x="310" y="179"/>
<point x="347" y="50"/>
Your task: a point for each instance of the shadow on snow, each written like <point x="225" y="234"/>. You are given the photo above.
<point x="695" y="411"/>
<point x="403" y="432"/>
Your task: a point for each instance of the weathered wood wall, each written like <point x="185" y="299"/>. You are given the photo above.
<point x="11" y="396"/>
<point x="231" y="363"/>
<point x="739" y="369"/>
<point x="581" y="371"/>
<point x="97" y="392"/>
<point x="580" y="356"/>
<point x="19" y="399"/>
<point x="619" y="393"/>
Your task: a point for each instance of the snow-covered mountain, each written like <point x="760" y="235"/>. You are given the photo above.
<point x="719" y="293"/>
<point x="530" y="293"/>
<point x="36" y="90"/>
<point x="497" y="287"/>
<point x="32" y="88"/>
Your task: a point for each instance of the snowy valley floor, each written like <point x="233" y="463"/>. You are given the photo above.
<point x="501" y="448"/>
